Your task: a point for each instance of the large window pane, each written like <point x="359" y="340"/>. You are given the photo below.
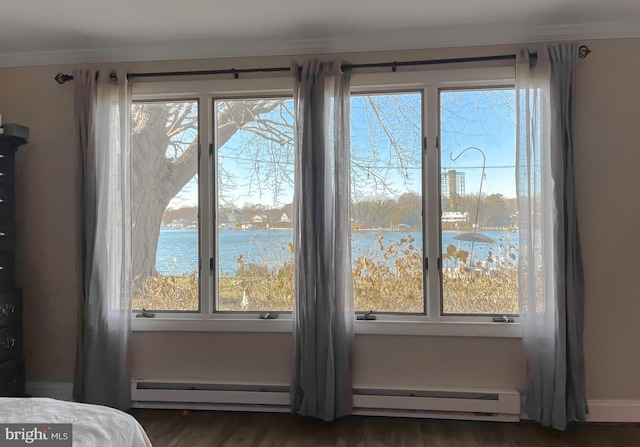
<point x="164" y="198"/>
<point x="478" y="199"/>
<point x="386" y="198"/>
<point x="254" y="171"/>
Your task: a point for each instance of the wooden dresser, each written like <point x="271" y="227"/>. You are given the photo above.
<point x="11" y="360"/>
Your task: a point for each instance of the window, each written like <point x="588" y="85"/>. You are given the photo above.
<point x="478" y="199"/>
<point x="212" y="211"/>
<point x="254" y="173"/>
<point x="434" y="215"/>
<point x="387" y="202"/>
<point x="164" y="194"/>
<point x="476" y="235"/>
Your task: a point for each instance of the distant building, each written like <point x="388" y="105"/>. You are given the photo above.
<point x="401" y="227"/>
<point x="258" y="218"/>
<point x="454" y="216"/>
<point x="180" y="223"/>
<point x="285" y="218"/>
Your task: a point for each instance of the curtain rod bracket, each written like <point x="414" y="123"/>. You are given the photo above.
<point x="394" y="66"/>
<point x="235" y="72"/>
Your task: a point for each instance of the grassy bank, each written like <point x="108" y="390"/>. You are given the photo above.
<point x="386" y="278"/>
<point x="463" y="294"/>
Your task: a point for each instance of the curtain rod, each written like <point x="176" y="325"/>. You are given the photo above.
<point x="583" y="51"/>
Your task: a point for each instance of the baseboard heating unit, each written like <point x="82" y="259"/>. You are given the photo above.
<point x="440" y="403"/>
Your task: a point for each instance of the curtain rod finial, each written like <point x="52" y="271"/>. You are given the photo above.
<point x="61" y="78"/>
<point x="583" y="51"/>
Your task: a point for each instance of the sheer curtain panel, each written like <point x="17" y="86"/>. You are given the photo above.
<point x="323" y="311"/>
<point x="550" y="282"/>
<point x="102" y="130"/>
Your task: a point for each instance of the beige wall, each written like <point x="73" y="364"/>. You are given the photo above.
<point x="607" y="158"/>
<point x="607" y="125"/>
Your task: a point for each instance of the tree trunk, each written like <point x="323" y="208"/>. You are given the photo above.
<point x="157" y="179"/>
<point x="149" y="195"/>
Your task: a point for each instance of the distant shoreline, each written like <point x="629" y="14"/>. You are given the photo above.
<point x="359" y="230"/>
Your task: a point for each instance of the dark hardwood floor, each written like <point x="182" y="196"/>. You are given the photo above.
<point x="172" y="428"/>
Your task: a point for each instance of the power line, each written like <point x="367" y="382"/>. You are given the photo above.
<point x="262" y="160"/>
<point x="455" y="168"/>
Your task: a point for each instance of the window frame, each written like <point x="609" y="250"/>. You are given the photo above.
<point x="184" y="98"/>
<point x="409" y="316"/>
<point x="430" y="83"/>
<point x="213" y="202"/>
<point x="461" y="316"/>
<point x="206" y="93"/>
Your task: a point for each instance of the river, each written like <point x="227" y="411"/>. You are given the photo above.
<point x="178" y="249"/>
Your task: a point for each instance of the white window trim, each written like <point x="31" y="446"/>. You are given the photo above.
<point x="431" y="324"/>
<point x="413" y="326"/>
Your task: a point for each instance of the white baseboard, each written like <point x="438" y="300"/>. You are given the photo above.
<point x="622" y="410"/>
<point x="54" y="390"/>
<point x="600" y="410"/>
<point x="605" y="410"/>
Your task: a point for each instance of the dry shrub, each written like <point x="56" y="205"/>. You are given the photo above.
<point x="389" y="278"/>
<point x="386" y="278"/>
<point x="166" y="292"/>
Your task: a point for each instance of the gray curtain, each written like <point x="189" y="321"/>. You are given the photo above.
<point x="551" y="282"/>
<point x="102" y="130"/>
<point x="323" y="311"/>
<point x="84" y="105"/>
<point x="570" y="286"/>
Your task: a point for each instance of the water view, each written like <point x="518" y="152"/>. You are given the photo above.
<point x="178" y="248"/>
<point x="254" y="178"/>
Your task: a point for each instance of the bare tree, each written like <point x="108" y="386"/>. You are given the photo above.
<point x="164" y="158"/>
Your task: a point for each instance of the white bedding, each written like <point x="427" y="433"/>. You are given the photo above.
<point x="93" y="425"/>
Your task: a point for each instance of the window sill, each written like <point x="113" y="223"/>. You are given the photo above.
<point x="195" y="324"/>
<point x="377" y="327"/>
<point x="439" y="328"/>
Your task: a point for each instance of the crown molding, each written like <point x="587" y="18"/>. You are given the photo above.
<point x="404" y="39"/>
